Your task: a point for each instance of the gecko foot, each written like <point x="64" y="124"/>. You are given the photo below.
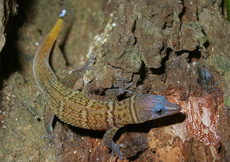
<point x="124" y="88"/>
<point x="108" y="141"/>
<point x="116" y="150"/>
<point x="50" y="137"/>
<point x="117" y="90"/>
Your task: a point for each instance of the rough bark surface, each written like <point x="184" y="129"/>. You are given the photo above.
<point x="175" y="48"/>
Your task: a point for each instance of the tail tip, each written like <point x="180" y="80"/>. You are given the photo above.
<point x="63" y="13"/>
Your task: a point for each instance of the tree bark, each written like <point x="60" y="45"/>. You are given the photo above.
<point x="179" y="49"/>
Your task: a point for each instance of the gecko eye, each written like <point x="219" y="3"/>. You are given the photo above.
<point x="159" y="110"/>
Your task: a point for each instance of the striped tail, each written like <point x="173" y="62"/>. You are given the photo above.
<point x="41" y="68"/>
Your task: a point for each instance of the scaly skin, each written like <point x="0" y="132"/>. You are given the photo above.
<point x="77" y="109"/>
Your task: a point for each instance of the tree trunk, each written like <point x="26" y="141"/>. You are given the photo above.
<point x="179" y="49"/>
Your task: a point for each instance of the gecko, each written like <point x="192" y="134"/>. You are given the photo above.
<point x="80" y="110"/>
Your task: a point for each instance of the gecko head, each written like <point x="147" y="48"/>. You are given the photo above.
<point x="151" y="107"/>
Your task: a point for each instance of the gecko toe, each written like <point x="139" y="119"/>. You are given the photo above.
<point x="116" y="151"/>
<point x="121" y="145"/>
<point x="50" y="137"/>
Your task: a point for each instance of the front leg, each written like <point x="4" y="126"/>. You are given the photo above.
<point x="108" y="142"/>
<point x="117" y="90"/>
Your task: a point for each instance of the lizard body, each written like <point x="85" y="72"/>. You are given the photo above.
<point x="77" y="109"/>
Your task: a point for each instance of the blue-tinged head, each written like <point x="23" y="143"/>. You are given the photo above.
<point x="150" y="107"/>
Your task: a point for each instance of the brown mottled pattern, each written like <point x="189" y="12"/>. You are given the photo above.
<point x="123" y="115"/>
<point x="71" y="106"/>
<point x="79" y="110"/>
<point x="76" y="109"/>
